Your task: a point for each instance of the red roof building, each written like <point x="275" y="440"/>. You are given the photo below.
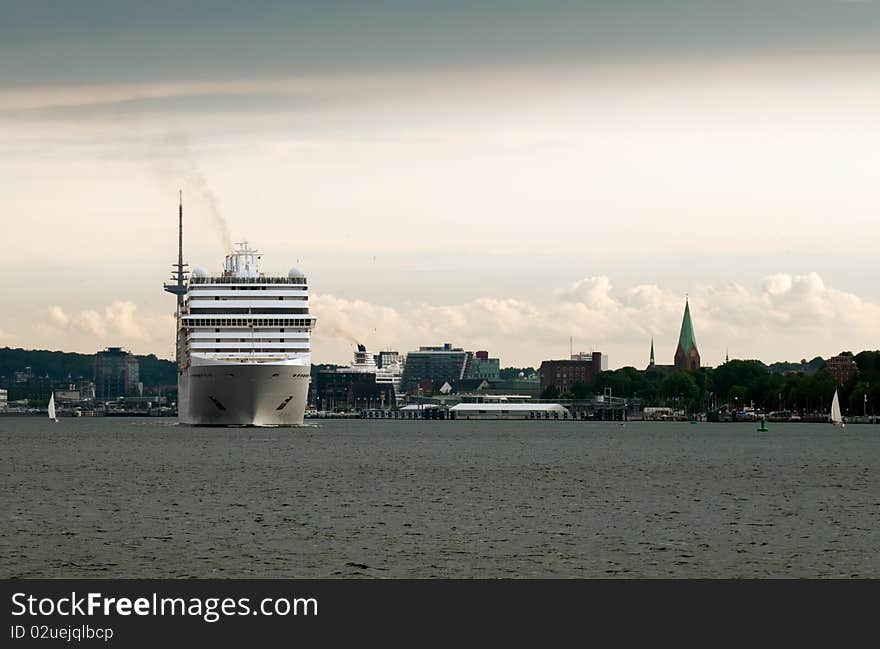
<point x="843" y="368"/>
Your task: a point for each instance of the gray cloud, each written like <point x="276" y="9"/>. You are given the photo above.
<point x="163" y="106"/>
<point x="100" y="41"/>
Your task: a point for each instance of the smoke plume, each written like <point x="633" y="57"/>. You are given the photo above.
<point x="187" y="171"/>
<point x="333" y="329"/>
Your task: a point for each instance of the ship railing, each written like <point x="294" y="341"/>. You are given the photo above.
<point x="263" y="279"/>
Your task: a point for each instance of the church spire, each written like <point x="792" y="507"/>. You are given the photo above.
<point x="651" y="363"/>
<point x="686" y="338"/>
<point x="687" y="356"/>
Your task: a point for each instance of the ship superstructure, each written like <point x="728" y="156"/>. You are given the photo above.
<point x="369" y="382"/>
<point x="390" y="371"/>
<point x="243" y="339"/>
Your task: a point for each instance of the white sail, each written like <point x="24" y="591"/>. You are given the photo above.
<point x="836" y="417"/>
<point x="52" y="406"/>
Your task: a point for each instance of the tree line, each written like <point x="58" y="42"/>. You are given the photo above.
<point x="51" y="369"/>
<point x="739" y="383"/>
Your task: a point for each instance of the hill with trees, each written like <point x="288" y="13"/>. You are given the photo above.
<point x="53" y="369"/>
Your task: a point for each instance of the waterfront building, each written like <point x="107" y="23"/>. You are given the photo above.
<point x="70" y="395"/>
<point x="361" y="385"/>
<point x="483" y="367"/>
<point x="843" y="368"/>
<point x="563" y="374"/>
<point x="501" y="388"/>
<point x="4" y="400"/>
<point x="505" y="410"/>
<point x="86" y="389"/>
<point x="431" y="367"/>
<point x="687" y="356"/>
<point x="388" y="358"/>
<point x="520" y="386"/>
<point x="116" y="374"/>
<point x="81" y="390"/>
<point x="588" y="356"/>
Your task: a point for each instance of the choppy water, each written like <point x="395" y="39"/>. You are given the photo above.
<point x="148" y="498"/>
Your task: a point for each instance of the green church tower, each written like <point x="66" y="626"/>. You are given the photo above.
<point x="687" y="356"/>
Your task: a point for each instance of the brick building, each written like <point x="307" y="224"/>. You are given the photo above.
<point x="116" y="374"/>
<point x="564" y="374"/>
<point x="843" y="368"/>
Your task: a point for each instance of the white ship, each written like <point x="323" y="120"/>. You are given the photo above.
<point x="391" y="371"/>
<point x="243" y="343"/>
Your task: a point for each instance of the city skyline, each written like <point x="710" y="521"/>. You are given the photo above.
<point x="502" y="180"/>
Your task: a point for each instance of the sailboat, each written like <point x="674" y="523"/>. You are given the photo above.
<point x="836" y="417"/>
<point x="52" y="416"/>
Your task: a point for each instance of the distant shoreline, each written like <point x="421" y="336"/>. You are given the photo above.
<point x="808" y="420"/>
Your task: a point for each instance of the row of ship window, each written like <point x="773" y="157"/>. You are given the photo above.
<point x="249" y="310"/>
<point x="248" y="322"/>
<point x="205" y="289"/>
<point x="249" y="341"/>
<point x="261" y="298"/>
<point x="256" y="350"/>
<point x="247" y="280"/>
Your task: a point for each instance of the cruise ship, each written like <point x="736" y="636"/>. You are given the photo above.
<point x="390" y="371"/>
<point x="243" y="343"/>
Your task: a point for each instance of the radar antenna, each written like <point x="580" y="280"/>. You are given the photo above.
<point x="179" y="272"/>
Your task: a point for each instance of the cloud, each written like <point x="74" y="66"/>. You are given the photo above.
<point x="786" y="316"/>
<point x="588" y="311"/>
<point x="117" y="324"/>
<point x="783" y="317"/>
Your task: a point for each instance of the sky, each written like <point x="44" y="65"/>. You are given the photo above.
<point x="521" y="177"/>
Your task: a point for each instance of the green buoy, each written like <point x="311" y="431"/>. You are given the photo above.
<point x="763" y="428"/>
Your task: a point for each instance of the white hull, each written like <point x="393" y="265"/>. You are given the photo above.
<point x="243" y="343"/>
<point x="213" y="393"/>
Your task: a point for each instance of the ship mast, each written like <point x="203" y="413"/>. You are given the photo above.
<point x="178" y="274"/>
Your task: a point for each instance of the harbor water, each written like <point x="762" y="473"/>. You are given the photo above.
<point x="104" y="497"/>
